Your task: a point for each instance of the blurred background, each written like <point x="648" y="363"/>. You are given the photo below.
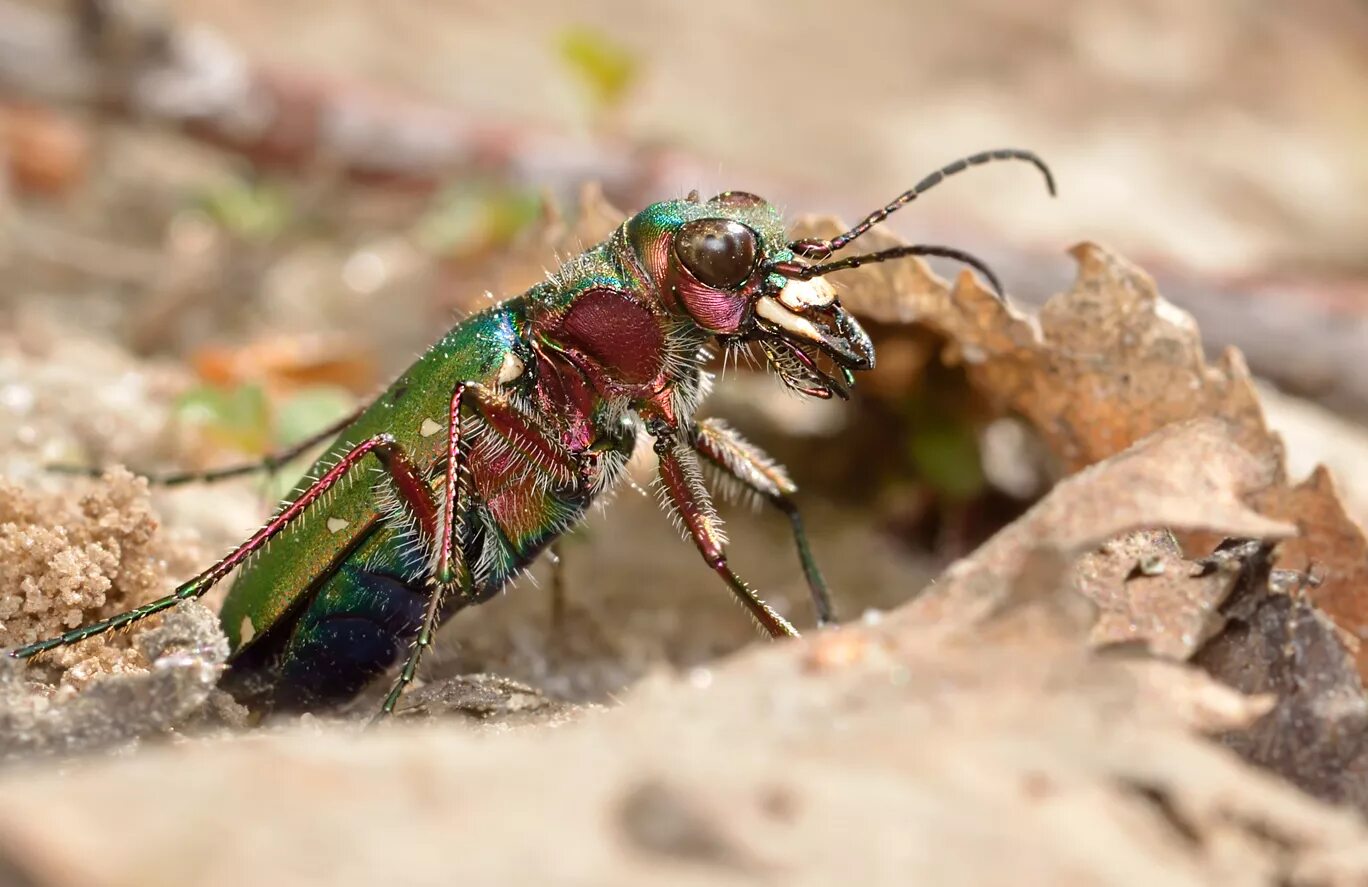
<point x="224" y="222"/>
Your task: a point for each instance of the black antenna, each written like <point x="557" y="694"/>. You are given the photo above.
<point x="821" y="249"/>
<point x="794" y="271"/>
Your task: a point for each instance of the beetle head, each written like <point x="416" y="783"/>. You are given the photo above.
<point x="715" y="262"/>
<point x="728" y="266"/>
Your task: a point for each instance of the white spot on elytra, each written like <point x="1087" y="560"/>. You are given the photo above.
<point x="511" y="368"/>
<point x="246" y="631"/>
<point x="429" y="428"/>
<point x="337" y="524"/>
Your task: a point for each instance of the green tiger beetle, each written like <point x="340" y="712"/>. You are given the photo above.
<point x="495" y="442"/>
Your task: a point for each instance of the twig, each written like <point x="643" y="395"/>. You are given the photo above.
<point x="119" y="57"/>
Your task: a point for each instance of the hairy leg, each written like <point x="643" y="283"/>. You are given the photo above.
<point x="746" y="463"/>
<point x="683" y="486"/>
<point x="383" y="446"/>
<point x="449" y="570"/>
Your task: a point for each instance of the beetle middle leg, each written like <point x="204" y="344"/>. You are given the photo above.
<point x="449" y="570"/>
<point x="683" y="485"/>
<point x="747" y="464"/>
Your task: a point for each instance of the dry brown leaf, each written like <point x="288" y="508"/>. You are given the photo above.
<point x="1104" y="364"/>
<point x="1329" y="545"/>
<point x="1107" y="363"/>
<point x="1145" y="590"/>
<point x="1278" y="642"/>
<point x="1188" y="476"/>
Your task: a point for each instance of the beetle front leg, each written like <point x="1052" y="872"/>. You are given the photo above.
<point x="745" y="462"/>
<point x="683" y="485"/>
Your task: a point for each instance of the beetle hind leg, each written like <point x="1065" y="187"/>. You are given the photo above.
<point x="382" y="446"/>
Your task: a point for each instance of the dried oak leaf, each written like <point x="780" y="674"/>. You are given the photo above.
<point x="1188" y="476"/>
<point x="1145" y="590"/>
<point x="1277" y="642"/>
<point x="1105" y="364"/>
<point x="1330" y="545"/>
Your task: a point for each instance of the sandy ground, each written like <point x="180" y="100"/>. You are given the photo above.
<point x="1085" y="699"/>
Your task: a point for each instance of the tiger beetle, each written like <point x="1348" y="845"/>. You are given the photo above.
<point x="495" y="442"/>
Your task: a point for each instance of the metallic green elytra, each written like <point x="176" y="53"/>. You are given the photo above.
<point x="496" y="441"/>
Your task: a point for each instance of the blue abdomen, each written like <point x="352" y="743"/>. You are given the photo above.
<point x="358" y="621"/>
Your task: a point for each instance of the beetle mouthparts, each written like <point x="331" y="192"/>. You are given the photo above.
<point x="820" y="321"/>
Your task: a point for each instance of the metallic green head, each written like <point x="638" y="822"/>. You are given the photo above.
<point x="723" y="263"/>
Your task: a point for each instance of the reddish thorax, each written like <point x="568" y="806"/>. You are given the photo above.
<point x="613" y="338"/>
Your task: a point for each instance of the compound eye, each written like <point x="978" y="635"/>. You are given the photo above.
<point x="720" y="253"/>
<point x="737" y="199"/>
